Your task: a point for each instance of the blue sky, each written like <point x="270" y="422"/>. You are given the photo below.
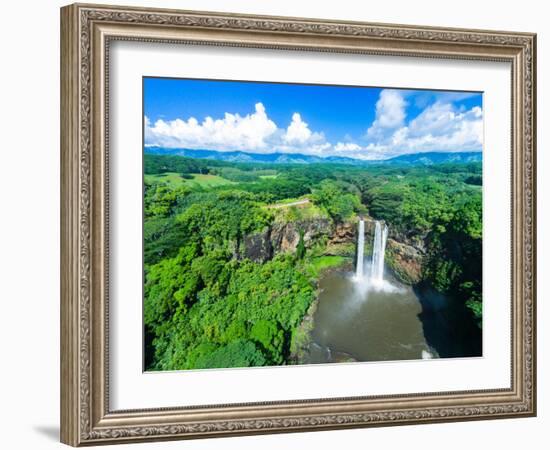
<point x="359" y="122"/>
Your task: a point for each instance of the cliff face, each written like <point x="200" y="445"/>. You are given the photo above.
<point x="412" y="240"/>
<point x="405" y="261"/>
<point x="344" y="233"/>
<point x="403" y="255"/>
<point x="257" y="247"/>
<point x="284" y="237"/>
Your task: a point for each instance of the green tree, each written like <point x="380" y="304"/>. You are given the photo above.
<point x="338" y="204"/>
<point x="301" y="247"/>
<point x="270" y="337"/>
<point x="235" y="354"/>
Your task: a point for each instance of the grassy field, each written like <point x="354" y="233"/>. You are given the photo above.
<point x="293" y="209"/>
<point x="175" y="180"/>
<point x="289" y="201"/>
<point x="321" y="263"/>
<point x="209" y="180"/>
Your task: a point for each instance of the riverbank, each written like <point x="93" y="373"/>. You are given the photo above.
<point x="301" y="340"/>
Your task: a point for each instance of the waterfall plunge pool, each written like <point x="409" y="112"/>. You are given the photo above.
<point x="354" y="323"/>
<point x="367" y="316"/>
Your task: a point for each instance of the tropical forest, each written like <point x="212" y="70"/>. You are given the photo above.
<point x="271" y="263"/>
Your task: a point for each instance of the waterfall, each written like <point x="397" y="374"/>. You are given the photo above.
<point x="359" y="274"/>
<point x="378" y="251"/>
<point x="375" y="279"/>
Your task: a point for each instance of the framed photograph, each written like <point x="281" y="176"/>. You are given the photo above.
<point x="278" y="224"/>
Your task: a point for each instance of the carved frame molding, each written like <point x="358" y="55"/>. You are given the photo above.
<point x="86" y="31"/>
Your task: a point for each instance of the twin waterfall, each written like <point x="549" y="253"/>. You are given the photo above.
<point x="378" y="251"/>
<point x="376" y="277"/>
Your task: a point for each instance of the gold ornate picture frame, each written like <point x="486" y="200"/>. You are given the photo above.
<point x="87" y="31"/>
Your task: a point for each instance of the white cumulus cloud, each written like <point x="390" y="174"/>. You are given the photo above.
<point x="346" y="147"/>
<point x="255" y="132"/>
<point x="298" y="131"/>
<point x="440" y="126"/>
<point x="298" y="138"/>
<point x="390" y="113"/>
<point x="233" y="132"/>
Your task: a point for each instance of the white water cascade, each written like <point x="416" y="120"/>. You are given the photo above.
<point x="378" y="253"/>
<point x="374" y="279"/>
<point x="359" y="273"/>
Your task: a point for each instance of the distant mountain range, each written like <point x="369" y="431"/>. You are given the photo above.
<point x="413" y="159"/>
<point x="430" y="158"/>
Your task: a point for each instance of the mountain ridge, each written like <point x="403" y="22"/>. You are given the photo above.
<point x="421" y="158"/>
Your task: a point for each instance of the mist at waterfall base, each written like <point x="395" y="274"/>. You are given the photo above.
<point x="367" y="315"/>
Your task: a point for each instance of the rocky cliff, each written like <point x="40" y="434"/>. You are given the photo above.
<point x="404" y="256"/>
<point x="405" y="261"/>
<point x="283" y="237"/>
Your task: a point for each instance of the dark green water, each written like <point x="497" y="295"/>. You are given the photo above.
<point x="354" y="323"/>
